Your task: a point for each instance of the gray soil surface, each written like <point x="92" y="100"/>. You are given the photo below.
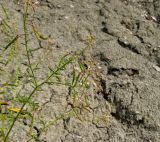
<point x="126" y="53"/>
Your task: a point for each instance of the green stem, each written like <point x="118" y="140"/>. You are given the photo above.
<point x="26" y="41"/>
<point x="33" y="91"/>
<point x="60" y="66"/>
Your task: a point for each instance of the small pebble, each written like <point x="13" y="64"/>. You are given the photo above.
<point x="72" y="6"/>
<point x="66" y="17"/>
<point x="156" y="68"/>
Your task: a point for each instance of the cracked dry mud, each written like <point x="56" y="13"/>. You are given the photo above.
<point x="127" y="48"/>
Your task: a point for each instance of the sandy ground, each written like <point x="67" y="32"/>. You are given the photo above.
<point x="127" y="53"/>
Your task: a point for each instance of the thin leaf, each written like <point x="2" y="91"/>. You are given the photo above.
<point x="5" y="11"/>
<point x="37" y="34"/>
<point x="4" y="103"/>
<point x="82" y="67"/>
<point x="14" y="109"/>
<point x="12" y="41"/>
